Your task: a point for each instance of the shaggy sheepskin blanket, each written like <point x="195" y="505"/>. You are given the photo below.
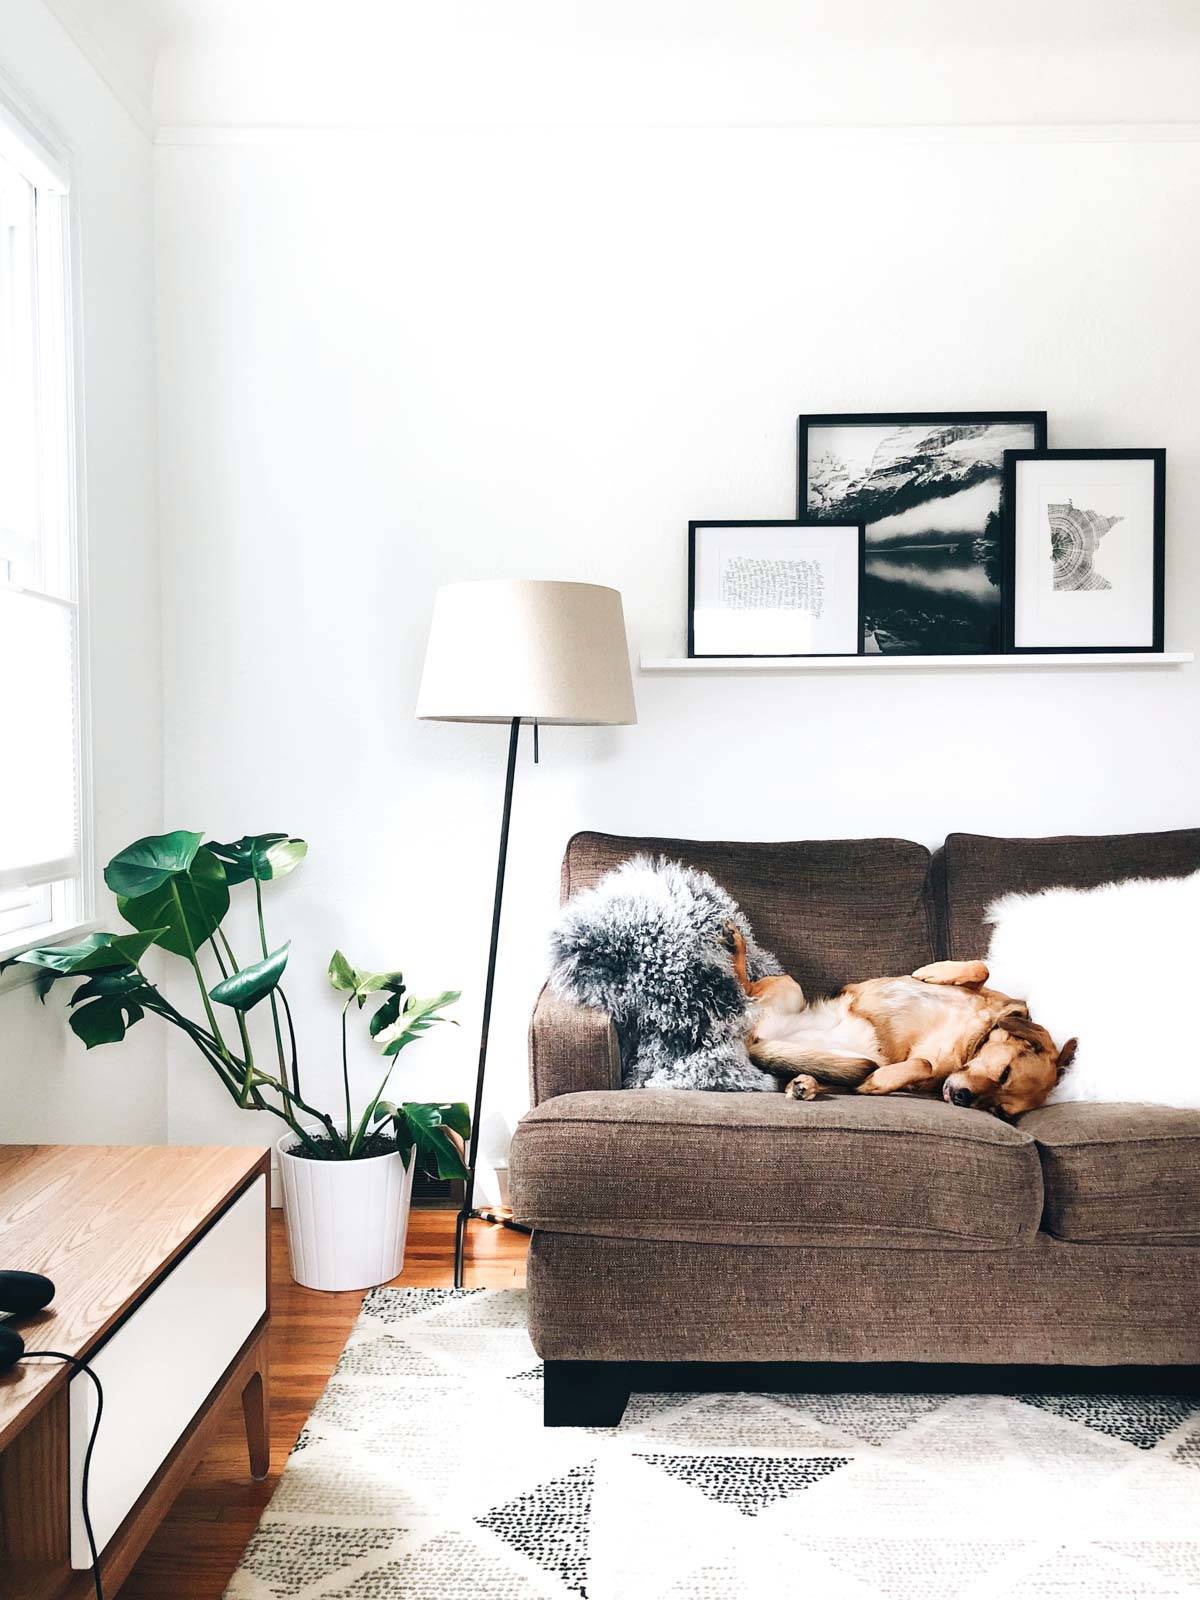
<point x="1112" y="966"/>
<point x="648" y="946"/>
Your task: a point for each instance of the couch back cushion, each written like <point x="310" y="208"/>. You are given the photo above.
<point x="832" y="910"/>
<point x="971" y="870"/>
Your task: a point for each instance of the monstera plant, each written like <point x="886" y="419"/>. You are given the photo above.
<point x="173" y="891"/>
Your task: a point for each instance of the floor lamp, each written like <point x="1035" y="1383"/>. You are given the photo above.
<point x="513" y="651"/>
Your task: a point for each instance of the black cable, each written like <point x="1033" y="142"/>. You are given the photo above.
<point x="82" y="1366"/>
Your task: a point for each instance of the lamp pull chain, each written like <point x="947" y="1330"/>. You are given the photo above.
<point x="535" y="742"/>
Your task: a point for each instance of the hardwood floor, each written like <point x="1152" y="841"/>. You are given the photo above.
<point x="194" y="1552"/>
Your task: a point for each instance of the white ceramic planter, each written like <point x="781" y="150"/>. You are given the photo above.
<point x="346" y="1220"/>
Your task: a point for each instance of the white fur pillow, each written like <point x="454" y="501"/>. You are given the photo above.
<point x="1118" y="968"/>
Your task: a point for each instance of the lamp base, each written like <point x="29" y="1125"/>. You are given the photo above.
<point x="492" y="1214"/>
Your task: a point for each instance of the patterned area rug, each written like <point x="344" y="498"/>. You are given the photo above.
<point x="425" y="1473"/>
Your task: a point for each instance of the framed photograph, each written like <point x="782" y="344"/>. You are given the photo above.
<point x="928" y="486"/>
<point x="1084" y="567"/>
<point x="774" y="589"/>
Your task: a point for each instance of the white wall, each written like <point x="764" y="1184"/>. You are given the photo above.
<point x="49" y="1089"/>
<point x="393" y="360"/>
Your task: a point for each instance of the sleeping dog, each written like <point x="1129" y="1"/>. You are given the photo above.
<point x="939" y="1030"/>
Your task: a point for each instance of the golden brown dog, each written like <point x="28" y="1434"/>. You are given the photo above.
<point x="939" y="1030"/>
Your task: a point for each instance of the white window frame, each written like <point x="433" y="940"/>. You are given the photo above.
<point x="29" y="141"/>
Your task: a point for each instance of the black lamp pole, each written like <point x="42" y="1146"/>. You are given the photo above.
<point x="468" y="1206"/>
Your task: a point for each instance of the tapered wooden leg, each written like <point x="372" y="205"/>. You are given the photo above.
<point x="584" y="1394"/>
<point x="256" y="1411"/>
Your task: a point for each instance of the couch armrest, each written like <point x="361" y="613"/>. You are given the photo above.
<point x="570" y="1047"/>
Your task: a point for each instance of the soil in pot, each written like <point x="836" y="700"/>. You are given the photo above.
<point x="322" y="1148"/>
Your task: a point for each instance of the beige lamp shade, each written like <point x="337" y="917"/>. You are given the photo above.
<point x="504" y="648"/>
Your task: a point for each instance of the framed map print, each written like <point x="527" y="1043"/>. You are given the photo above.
<point x="774" y="589"/>
<point x="1085" y="560"/>
<point x="928" y="486"/>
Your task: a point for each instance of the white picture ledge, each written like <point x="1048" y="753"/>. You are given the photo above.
<point x="883" y="663"/>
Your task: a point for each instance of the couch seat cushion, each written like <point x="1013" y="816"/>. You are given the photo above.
<point x="833" y="910"/>
<point x="763" y="1169"/>
<point x="1119" y="1173"/>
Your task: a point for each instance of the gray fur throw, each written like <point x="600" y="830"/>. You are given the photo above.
<point x="648" y="946"/>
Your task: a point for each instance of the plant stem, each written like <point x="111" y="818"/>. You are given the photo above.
<point x="187" y="934"/>
<point x="233" y="960"/>
<point x="248" y="1080"/>
<point x="217" y="953"/>
<point x="346" y="1069"/>
<point x="292" y="1034"/>
<point x="369" y="1112"/>
<point x="262" y="939"/>
<point x="154" y="1000"/>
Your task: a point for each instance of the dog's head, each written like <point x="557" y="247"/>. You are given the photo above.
<point x="1013" y="1070"/>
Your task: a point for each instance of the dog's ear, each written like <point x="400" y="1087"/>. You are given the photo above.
<point x="1066" y="1055"/>
<point x="1020" y="1025"/>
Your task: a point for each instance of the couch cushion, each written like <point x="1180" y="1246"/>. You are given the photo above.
<point x="763" y="1169"/>
<point x="1119" y="1173"/>
<point x="832" y="910"/>
<point x="972" y="869"/>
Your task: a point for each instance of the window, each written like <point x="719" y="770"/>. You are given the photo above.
<point x="45" y="887"/>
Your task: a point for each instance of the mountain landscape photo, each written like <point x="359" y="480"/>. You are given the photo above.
<point x="929" y="494"/>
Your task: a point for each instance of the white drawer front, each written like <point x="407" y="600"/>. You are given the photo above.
<point x="161" y="1363"/>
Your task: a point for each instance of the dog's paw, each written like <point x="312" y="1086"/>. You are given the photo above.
<point x="962" y="974"/>
<point x="803" y="1087"/>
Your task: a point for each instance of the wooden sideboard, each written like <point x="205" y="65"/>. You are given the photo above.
<point x="159" y="1255"/>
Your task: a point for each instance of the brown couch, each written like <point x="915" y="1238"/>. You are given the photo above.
<point x="685" y="1239"/>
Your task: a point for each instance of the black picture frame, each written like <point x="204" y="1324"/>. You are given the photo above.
<point x="769" y="522"/>
<point x="1158" y="456"/>
<point x="807" y="421"/>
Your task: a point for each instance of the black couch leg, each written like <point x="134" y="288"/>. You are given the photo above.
<point x="585" y="1394"/>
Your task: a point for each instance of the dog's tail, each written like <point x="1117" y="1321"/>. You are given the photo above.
<point x="786" y="1057"/>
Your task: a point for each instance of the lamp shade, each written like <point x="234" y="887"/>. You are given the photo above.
<point x="504" y="648"/>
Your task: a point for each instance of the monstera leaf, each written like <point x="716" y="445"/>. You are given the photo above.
<point x="186" y="908"/>
<point x="98" y="952"/>
<point x="429" y="1128"/>
<point x="147" y="864"/>
<point x="358" y="984"/>
<point x="108" y="1007"/>
<point x="260" y="855"/>
<point x="417" y="1017"/>
<point x="252" y="984"/>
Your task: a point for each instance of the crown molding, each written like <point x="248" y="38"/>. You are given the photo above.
<point x="192" y="134"/>
<point x="72" y="18"/>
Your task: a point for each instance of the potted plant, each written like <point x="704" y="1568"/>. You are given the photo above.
<point x="347" y="1179"/>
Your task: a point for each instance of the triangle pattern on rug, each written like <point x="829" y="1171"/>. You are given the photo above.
<point x="748" y="1483"/>
<point x="397" y="1305"/>
<point x="550" y="1525"/>
<point x="911" y="1569"/>
<point x="447" y="1568"/>
<point x="1080" y="1572"/>
<point x="873" y="1418"/>
<point x="286" y="1558"/>
<point x="1139" y="1419"/>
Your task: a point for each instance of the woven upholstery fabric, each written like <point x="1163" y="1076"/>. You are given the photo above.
<point x="853" y="1170"/>
<point x="601" y="1299"/>
<point x="971" y="870"/>
<point x="1119" y="1172"/>
<point x="570" y="1048"/>
<point x="833" y="910"/>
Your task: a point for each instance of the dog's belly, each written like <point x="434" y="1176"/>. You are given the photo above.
<point x="826" y="1025"/>
<point x="911" y="1018"/>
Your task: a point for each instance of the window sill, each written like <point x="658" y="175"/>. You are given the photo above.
<point x="20" y="977"/>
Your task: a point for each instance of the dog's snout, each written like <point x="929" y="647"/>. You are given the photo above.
<point x="962" y="1097"/>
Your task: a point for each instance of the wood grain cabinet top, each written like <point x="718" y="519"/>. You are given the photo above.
<point x="105" y="1222"/>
